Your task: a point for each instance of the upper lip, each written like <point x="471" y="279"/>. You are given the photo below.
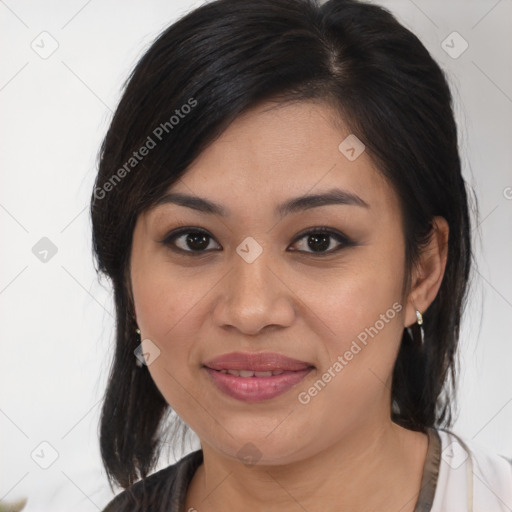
<point x="257" y="362"/>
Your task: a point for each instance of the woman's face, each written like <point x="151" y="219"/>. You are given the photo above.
<point x="253" y="282"/>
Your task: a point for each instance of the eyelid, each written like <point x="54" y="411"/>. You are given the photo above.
<point x="340" y="237"/>
<point x="323" y="229"/>
<point x="176" y="233"/>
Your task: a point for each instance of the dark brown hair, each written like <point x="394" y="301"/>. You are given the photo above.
<point x="225" y="57"/>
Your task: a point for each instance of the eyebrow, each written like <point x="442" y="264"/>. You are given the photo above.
<point x="305" y="202"/>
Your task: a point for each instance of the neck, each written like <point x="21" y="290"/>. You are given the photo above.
<point x="387" y="459"/>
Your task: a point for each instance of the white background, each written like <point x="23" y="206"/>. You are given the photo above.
<point x="56" y="330"/>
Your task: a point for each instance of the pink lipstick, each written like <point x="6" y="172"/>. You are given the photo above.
<point x="254" y="377"/>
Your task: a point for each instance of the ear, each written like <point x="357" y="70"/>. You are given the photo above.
<point x="429" y="271"/>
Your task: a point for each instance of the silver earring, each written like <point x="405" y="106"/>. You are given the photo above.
<point x="137" y="360"/>
<point x="419" y="321"/>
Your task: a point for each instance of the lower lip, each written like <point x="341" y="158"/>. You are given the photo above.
<point x="256" y="389"/>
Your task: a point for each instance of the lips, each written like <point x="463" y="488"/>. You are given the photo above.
<point x="256" y="377"/>
<point x="256" y="362"/>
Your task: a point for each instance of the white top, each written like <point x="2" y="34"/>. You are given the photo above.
<point x="470" y="478"/>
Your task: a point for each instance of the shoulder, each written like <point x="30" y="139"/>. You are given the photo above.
<point x="471" y="477"/>
<point x="162" y="490"/>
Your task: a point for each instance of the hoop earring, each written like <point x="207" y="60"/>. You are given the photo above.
<point x="419" y="326"/>
<point x="419" y="321"/>
<point x="138" y="362"/>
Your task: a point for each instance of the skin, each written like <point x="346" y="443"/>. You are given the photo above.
<point x="327" y="454"/>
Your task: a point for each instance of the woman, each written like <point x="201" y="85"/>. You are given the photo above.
<point x="281" y="211"/>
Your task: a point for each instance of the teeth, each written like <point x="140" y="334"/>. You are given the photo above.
<point x="263" y="374"/>
<point x="250" y="373"/>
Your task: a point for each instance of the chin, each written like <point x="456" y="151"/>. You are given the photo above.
<point x="261" y="450"/>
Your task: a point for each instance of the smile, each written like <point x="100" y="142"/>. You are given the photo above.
<point x="255" y="376"/>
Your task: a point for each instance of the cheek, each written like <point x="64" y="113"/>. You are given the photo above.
<point x="170" y="309"/>
<point x="359" y="309"/>
<point x="365" y="324"/>
<point x="362" y="308"/>
<point x="354" y="298"/>
<point x="165" y="298"/>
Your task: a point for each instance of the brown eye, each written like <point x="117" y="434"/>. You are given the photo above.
<point x="191" y="240"/>
<point x="321" y="241"/>
<point x="318" y="241"/>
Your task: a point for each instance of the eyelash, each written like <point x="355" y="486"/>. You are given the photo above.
<point x="336" y="235"/>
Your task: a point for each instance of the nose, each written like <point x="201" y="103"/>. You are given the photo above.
<point x="253" y="296"/>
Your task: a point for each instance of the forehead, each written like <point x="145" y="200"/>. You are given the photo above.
<point x="274" y="152"/>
